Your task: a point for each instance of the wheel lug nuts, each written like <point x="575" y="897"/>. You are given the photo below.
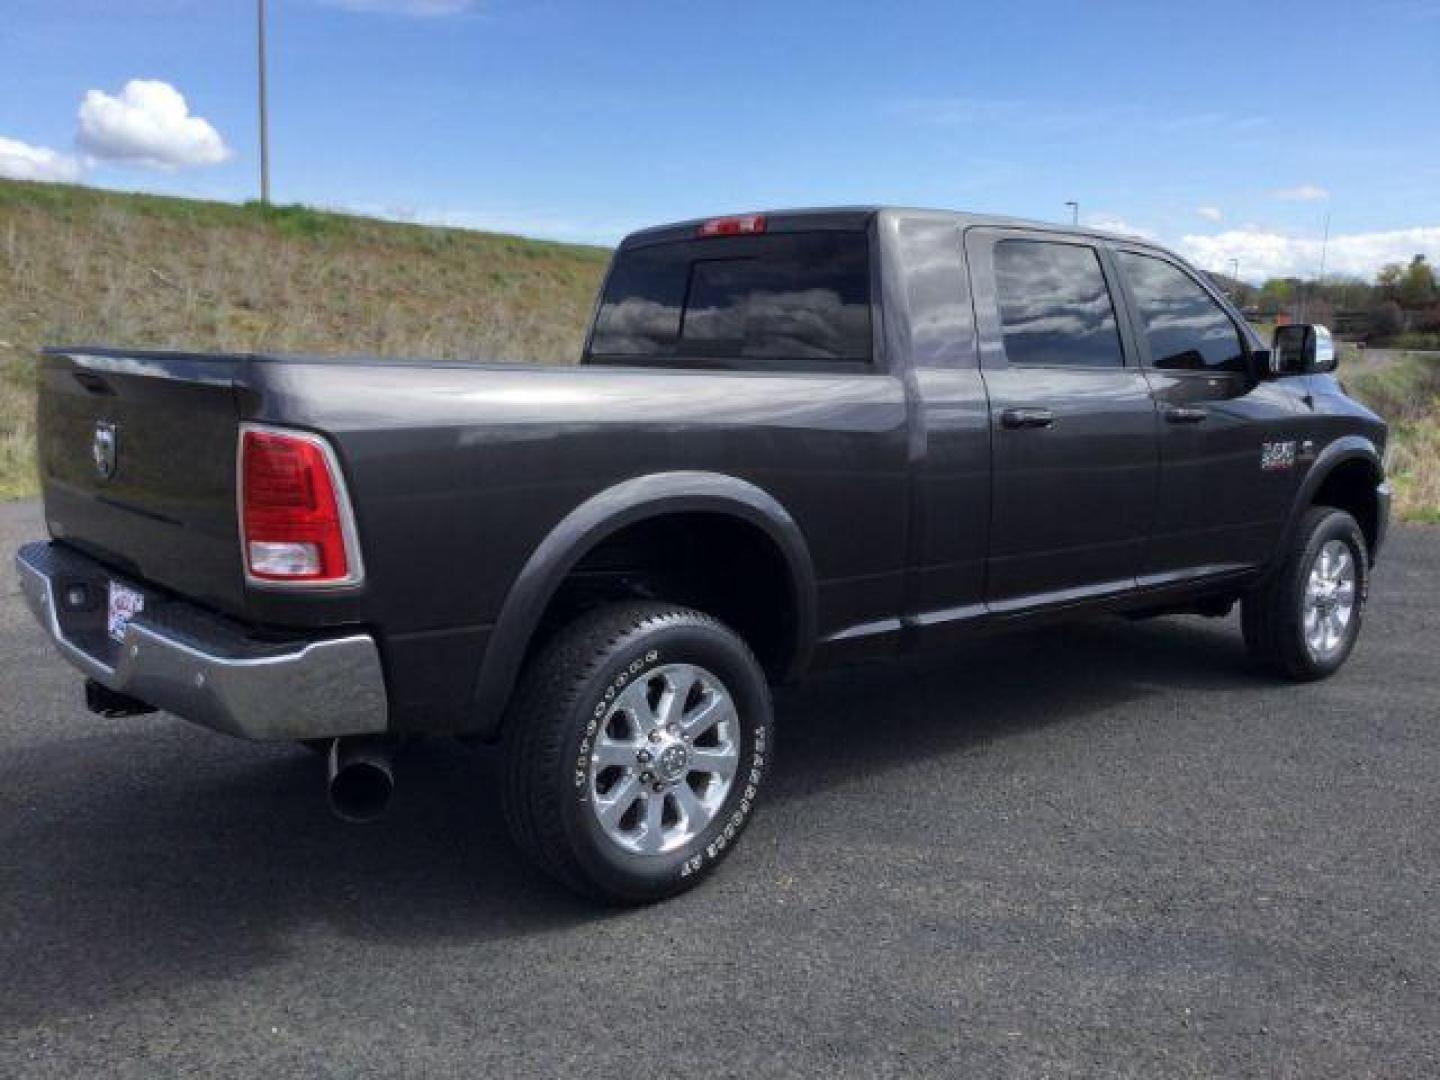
<point x="658" y="788"/>
<point x="643" y="757"/>
<point x="673" y="729"/>
<point x="655" y="735"/>
<point x="646" y="777"/>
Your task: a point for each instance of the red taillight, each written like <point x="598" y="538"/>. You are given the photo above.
<point x="743" y="225"/>
<point x="292" y="523"/>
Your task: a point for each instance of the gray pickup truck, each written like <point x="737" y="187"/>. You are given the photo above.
<point x="793" y="439"/>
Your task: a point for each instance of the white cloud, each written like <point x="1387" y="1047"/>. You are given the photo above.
<point x="1209" y="213"/>
<point x="427" y="9"/>
<point x="147" y="124"/>
<point x="21" y="161"/>
<point x="1265" y="254"/>
<point x="1301" y="193"/>
<point x="1111" y="223"/>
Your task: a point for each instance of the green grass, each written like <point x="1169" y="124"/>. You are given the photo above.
<point x="82" y="265"/>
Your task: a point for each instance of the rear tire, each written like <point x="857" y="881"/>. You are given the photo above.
<point x="634" y="751"/>
<point x="1303" y="623"/>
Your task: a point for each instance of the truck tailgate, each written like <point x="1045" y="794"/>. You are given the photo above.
<point x="137" y="462"/>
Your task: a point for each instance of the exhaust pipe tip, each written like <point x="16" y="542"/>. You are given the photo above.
<point x="359" y="780"/>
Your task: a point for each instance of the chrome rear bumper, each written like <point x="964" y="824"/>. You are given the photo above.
<point x="199" y="666"/>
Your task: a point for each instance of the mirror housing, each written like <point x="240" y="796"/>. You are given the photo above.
<point x="1301" y="349"/>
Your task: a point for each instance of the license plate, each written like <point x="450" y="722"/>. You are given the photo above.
<point x="125" y="604"/>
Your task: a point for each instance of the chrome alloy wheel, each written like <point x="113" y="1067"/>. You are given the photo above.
<point x="664" y="759"/>
<point x="1329" y="601"/>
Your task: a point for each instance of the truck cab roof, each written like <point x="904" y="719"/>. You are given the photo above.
<point x="855" y="218"/>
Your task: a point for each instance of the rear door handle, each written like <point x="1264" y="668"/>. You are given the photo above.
<point x="1027" y="418"/>
<point x="1185" y="414"/>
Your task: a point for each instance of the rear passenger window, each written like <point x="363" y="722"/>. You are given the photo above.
<point x="1054" y="305"/>
<point x="1187" y="330"/>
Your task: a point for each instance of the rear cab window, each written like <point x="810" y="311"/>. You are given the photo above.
<point x="793" y="299"/>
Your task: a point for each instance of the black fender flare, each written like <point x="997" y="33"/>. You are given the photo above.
<point x="1344" y="449"/>
<point x="604" y="514"/>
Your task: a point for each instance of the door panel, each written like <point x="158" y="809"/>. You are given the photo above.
<point x="1218" y="510"/>
<point x="952" y="494"/>
<point x="950" y="523"/>
<point x="1073" y="425"/>
<point x="1072" y="501"/>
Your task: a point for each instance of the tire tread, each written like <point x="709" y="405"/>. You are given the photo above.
<point x="1270" y="615"/>
<point x="535" y="733"/>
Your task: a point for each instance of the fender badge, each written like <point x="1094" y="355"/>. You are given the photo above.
<point x="1277" y="455"/>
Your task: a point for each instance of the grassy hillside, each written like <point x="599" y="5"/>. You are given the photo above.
<point x="81" y="265"/>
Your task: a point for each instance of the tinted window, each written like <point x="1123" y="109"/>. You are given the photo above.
<point x="784" y="296"/>
<point x="1187" y="330"/>
<point x="942" y="322"/>
<point x="1054" y="306"/>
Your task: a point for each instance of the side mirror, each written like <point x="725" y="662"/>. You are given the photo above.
<point x="1301" y="349"/>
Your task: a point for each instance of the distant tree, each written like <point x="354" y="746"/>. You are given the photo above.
<point x="1275" y="294"/>
<point x="1320" y="310"/>
<point x="1347" y="292"/>
<point x="1416" y="287"/>
<point x="1386" y="319"/>
<point x="1388" y="280"/>
<point x="1240" y="294"/>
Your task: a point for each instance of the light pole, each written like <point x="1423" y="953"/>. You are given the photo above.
<point x="1319" y="289"/>
<point x="264" y="106"/>
<point x="1235" y="274"/>
<point x="1074" y="211"/>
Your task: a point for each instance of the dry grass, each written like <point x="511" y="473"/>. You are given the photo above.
<point x="83" y="266"/>
<point x="17" y="437"/>
<point x="80" y="265"/>
<point x="1404" y="388"/>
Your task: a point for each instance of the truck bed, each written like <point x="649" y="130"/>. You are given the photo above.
<point x="456" y="472"/>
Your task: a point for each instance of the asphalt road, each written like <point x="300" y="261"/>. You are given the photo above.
<point x="1101" y="849"/>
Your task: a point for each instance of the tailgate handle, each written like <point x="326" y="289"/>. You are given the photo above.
<point x="1027" y="418"/>
<point x="1185" y="414"/>
<point x="92" y="382"/>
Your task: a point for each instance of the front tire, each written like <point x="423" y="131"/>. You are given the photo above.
<point x="1304" y="622"/>
<point x="635" y="750"/>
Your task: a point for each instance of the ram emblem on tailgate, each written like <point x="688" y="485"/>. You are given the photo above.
<point x="105" y="449"/>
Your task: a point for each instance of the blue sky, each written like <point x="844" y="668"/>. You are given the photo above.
<point x="1230" y="130"/>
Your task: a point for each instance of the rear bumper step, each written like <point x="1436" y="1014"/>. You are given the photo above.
<point x="200" y="667"/>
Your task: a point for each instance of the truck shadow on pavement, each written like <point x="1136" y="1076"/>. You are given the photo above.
<point x="143" y="862"/>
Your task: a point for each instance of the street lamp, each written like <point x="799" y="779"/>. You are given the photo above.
<point x="1235" y="273"/>
<point x="1074" y="211"/>
<point x="264" y="105"/>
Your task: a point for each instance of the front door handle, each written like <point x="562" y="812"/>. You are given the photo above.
<point x="1027" y="418"/>
<point x="1185" y="414"/>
